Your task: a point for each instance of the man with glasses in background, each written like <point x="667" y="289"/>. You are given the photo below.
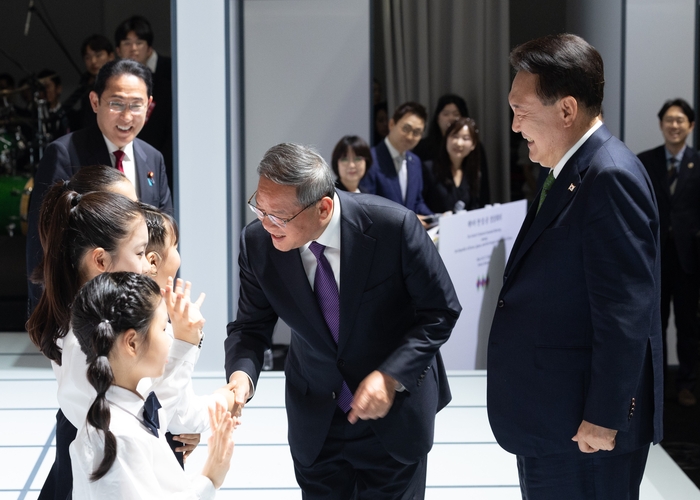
<point x="120" y="100"/>
<point x="398" y="175"/>
<point x="369" y="303"/>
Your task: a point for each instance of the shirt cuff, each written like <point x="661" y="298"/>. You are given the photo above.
<point x="184" y="351"/>
<point x="203" y="488"/>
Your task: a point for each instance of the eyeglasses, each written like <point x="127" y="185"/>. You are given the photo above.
<point x="408" y="130"/>
<point x="135" y="43"/>
<point x="119" y="107"/>
<point x="277" y="221"/>
<point x="356" y="161"/>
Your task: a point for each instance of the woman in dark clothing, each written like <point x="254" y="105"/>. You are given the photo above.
<point x="456" y="173"/>
<point x="350" y="161"/>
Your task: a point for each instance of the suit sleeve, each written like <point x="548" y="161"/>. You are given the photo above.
<point x="620" y="257"/>
<point x="54" y="166"/>
<point x="164" y="196"/>
<point x="436" y="305"/>
<point x="251" y="333"/>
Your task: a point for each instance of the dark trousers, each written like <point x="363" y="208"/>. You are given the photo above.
<point x="683" y="288"/>
<point x="354" y="464"/>
<point x="59" y="482"/>
<point x="593" y="477"/>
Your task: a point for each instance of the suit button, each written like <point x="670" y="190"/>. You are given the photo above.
<point x="333" y="395"/>
<point x="501" y="303"/>
<point x="341" y="363"/>
<point x="420" y="381"/>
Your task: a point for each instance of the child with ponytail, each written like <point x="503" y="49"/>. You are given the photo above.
<point x="119" y="321"/>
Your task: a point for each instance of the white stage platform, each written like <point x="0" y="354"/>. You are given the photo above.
<point x="465" y="463"/>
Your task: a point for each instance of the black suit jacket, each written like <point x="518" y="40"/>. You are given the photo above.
<point x="83" y="148"/>
<point x="397" y="307"/>
<point x="679" y="212"/>
<point x="577" y="330"/>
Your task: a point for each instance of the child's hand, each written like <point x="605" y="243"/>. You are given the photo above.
<point x="185" y="315"/>
<point x="190" y="442"/>
<point x="220" y="445"/>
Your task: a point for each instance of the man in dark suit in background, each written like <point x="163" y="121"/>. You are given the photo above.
<point x="369" y="303"/>
<point x="133" y="40"/>
<point x="674" y="169"/>
<point x="575" y="359"/>
<point x="120" y="100"/>
<point x="398" y="173"/>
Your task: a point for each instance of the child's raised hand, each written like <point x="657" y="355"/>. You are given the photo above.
<point x="185" y="315"/>
<point x="220" y="445"/>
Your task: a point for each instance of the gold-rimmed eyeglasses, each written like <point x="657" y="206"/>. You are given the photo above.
<point x="277" y="221"/>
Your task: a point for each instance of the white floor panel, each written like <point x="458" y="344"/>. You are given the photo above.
<point x="16" y="465"/>
<point x="471" y="465"/>
<point x="44" y="468"/>
<point x="27" y="393"/>
<point x="463" y="425"/>
<point x="468" y="388"/>
<point x="495" y="493"/>
<point x="26" y="427"/>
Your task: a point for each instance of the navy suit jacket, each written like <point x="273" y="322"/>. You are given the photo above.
<point x="577" y="329"/>
<point x="83" y="148"/>
<point x="680" y="211"/>
<point x="383" y="180"/>
<point x="397" y="307"/>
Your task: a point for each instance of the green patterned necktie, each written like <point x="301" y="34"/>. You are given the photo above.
<point x="545" y="189"/>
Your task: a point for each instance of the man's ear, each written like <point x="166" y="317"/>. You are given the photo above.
<point x="94" y="101"/>
<point x="325" y="207"/>
<point x="569" y="109"/>
<point x="154" y="259"/>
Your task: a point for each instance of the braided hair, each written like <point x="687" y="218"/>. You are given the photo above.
<point x="76" y="224"/>
<point x="106" y="307"/>
<point x="160" y="224"/>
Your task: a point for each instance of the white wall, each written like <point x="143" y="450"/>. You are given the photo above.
<point x="307" y="75"/>
<point x="201" y="149"/>
<point x="660" y="65"/>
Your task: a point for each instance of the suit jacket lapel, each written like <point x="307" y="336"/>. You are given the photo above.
<point x="141" y="171"/>
<point x="684" y="172"/>
<point x="97" y="152"/>
<point x="356" y="248"/>
<point x="388" y="168"/>
<point x="562" y="192"/>
<point x="293" y="276"/>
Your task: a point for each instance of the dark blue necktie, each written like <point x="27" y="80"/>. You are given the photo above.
<point x="328" y="298"/>
<point x="150" y="413"/>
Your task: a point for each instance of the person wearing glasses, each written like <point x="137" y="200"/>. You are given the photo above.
<point x="369" y="303"/>
<point x="133" y="39"/>
<point x="350" y="161"/>
<point x="120" y="100"/>
<point x="399" y="172"/>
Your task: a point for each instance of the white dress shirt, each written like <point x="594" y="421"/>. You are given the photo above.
<point x="145" y="467"/>
<point x="127" y="160"/>
<point x="331" y="240"/>
<point x="401" y="167"/>
<point x="575" y="147"/>
<point x="187" y="413"/>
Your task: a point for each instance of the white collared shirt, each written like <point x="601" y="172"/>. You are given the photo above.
<point x="400" y="165"/>
<point x="128" y="163"/>
<point x="576" y="146"/>
<point x="152" y="61"/>
<point x="330" y="238"/>
<point x="145" y="466"/>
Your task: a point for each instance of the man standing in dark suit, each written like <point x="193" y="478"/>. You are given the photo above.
<point x="575" y="359"/>
<point x="133" y="40"/>
<point x="398" y="173"/>
<point x="674" y="169"/>
<point x="120" y="100"/>
<point x="369" y="303"/>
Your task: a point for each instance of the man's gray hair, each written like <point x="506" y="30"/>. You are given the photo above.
<point x="300" y="166"/>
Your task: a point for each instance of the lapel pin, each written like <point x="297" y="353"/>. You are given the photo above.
<point x="150" y="178"/>
<point x="572" y="187"/>
<point x="691" y="164"/>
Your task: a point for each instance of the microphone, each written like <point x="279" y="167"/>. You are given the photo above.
<point x="29" y="17"/>
<point x="459" y="206"/>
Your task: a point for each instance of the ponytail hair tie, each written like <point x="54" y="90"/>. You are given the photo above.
<point x="105" y="321"/>
<point x="75" y="200"/>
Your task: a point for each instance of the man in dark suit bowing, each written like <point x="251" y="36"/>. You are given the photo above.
<point x="120" y="99"/>
<point x="575" y="358"/>
<point x="674" y="169"/>
<point x="398" y="174"/>
<point x="369" y="303"/>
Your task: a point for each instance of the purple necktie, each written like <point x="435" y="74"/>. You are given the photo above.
<point x="329" y="300"/>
